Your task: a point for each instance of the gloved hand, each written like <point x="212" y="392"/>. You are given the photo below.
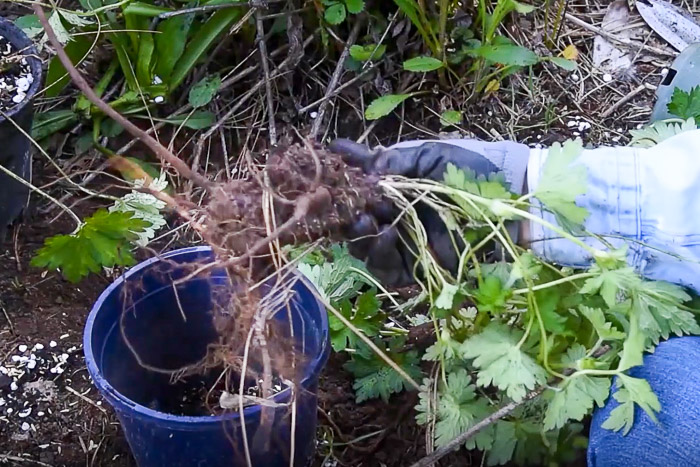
<point x="378" y="242"/>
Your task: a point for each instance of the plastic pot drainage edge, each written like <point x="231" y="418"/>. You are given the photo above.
<point x="157" y="438"/>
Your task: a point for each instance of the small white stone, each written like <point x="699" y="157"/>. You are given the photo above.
<point x="13" y="386"/>
<point x="664" y="71"/>
<point x="64" y="336"/>
<point x="30" y="78"/>
<point x="52" y="344"/>
<point x="3" y="370"/>
<point x="583" y="126"/>
<point x="607" y="77"/>
<point x="157" y="80"/>
<point x="31" y="364"/>
<point x="575" y="77"/>
<point x="22" y="348"/>
<point x="9" y="410"/>
<point x="40" y="414"/>
<point x="18" y="98"/>
<point x="52" y="370"/>
<point x="38" y="346"/>
<point x="22" y="84"/>
<point x="639" y="126"/>
<point x="25" y="426"/>
<point x="571" y="123"/>
<point x="25" y="413"/>
<point x="313" y="114"/>
<point x="16" y="358"/>
<point x="159" y="99"/>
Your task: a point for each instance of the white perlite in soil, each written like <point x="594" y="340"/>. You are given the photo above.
<point x="15" y="76"/>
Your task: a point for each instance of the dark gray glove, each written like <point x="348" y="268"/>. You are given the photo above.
<point x="382" y="245"/>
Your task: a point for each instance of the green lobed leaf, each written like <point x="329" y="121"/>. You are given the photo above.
<point x="605" y="330"/>
<point x="632" y="391"/>
<point x="561" y="182"/>
<point x="383" y="106"/>
<point x="365" y="315"/>
<point x="501" y="362"/>
<point x="491" y="296"/>
<point x="338" y="279"/>
<point x="375" y="379"/>
<point x="422" y="64"/>
<point x="203" y="92"/>
<point x="104" y="240"/>
<point x="575" y="400"/>
<point x="493" y="187"/>
<point x="686" y="104"/>
<point x="657" y="132"/>
<point x="458" y="409"/>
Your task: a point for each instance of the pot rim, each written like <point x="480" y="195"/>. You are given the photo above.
<point x="114" y="396"/>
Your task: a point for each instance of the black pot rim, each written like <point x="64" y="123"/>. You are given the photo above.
<point x="21" y="42"/>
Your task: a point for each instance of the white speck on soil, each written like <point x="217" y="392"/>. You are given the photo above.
<point x="13" y="386"/>
<point x="16" y="77"/>
<point x="607" y="77"/>
<point x="25" y="426"/>
<point x="39" y="346"/>
<point x="25" y="413"/>
<point x="52" y="344"/>
<point x="159" y="99"/>
<point x="64" y="336"/>
<point x="664" y="71"/>
<point x="22" y="348"/>
<point x="313" y="114"/>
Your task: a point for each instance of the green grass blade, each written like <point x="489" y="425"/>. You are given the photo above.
<point x="56" y="77"/>
<point x="170" y="44"/>
<point x="202" y="41"/>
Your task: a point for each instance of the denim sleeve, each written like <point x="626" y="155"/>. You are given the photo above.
<point x="648" y="199"/>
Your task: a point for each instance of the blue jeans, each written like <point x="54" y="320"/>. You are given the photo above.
<point x="673" y="372"/>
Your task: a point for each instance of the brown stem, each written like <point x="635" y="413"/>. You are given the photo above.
<point x="161" y="151"/>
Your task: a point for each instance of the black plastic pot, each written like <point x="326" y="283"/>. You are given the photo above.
<point x="15" y="153"/>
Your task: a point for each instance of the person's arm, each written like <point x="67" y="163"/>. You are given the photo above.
<point x="648" y="199"/>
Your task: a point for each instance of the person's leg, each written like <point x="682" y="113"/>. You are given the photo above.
<point x="673" y="372"/>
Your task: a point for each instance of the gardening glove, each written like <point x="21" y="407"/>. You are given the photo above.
<point x="380" y="243"/>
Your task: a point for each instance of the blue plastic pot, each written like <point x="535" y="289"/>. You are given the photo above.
<point x="155" y="327"/>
